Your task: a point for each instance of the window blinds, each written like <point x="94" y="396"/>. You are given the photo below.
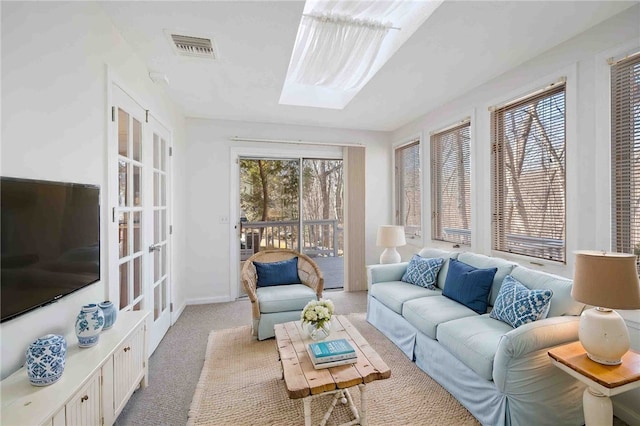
<point x="528" y="172"/>
<point x="451" y="185"/>
<point x="625" y="155"/>
<point x="408" y="188"/>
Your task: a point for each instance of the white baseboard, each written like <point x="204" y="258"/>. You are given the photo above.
<point x="207" y="300"/>
<point x="626" y="413"/>
<point x="176" y="314"/>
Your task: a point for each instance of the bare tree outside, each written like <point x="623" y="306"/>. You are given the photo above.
<point x="408" y="189"/>
<point x="529" y="176"/>
<point x="451" y="184"/>
<point x="269" y="198"/>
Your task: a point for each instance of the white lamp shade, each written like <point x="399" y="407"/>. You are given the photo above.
<point x="390" y="236"/>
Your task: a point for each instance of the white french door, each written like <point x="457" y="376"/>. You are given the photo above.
<point x="159" y="264"/>
<point x="138" y="196"/>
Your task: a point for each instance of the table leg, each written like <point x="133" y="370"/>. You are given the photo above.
<point x="363" y="405"/>
<point x="307" y="410"/>
<point x="598" y="409"/>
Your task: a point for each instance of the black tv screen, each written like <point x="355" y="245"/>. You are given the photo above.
<point x="50" y="234"/>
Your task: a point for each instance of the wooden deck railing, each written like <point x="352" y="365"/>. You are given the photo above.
<point x="319" y="237"/>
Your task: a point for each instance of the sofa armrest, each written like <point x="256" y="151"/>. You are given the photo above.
<point x="538" y="335"/>
<point x="386" y="272"/>
<point x="522" y="365"/>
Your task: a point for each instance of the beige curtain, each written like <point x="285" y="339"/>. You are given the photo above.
<point x="355" y="272"/>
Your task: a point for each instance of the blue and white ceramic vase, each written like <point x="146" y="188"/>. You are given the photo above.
<point x="45" y="359"/>
<point x="110" y="313"/>
<point x="89" y="324"/>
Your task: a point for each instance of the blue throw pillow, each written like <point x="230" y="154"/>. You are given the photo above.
<point x="423" y="271"/>
<point x="468" y="285"/>
<point x="517" y="305"/>
<point x="277" y="273"/>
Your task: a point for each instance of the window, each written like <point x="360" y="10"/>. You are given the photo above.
<point x="450" y="184"/>
<point x="408" y="195"/>
<point x="528" y="171"/>
<point x="625" y="155"/>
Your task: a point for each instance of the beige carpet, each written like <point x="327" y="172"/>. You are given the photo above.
<point x="241" y="384"/>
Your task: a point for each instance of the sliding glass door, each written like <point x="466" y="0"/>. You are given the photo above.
<point x="276" y="211"/>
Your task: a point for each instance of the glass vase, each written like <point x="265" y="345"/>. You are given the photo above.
<point x="319" y="332"/>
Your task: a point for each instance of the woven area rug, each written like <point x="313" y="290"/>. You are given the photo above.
<point x="241" y="384"/>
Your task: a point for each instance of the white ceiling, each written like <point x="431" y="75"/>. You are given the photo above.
<point x="462" y="45"/>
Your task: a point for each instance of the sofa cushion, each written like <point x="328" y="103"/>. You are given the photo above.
<point x="517" y="305"/>
<point x="426" y="313"/>
<point x="423" y="271"/>
<point x="561" y="303"/>
<point x="277" y="273"/>
<point x="473" y="341"/>
<point x="468" y="285"/>
<point x="481" y="261"/>
<point x="446" y="255"/>
<point x="281" y="298"/>
<point x="393" y="294"/>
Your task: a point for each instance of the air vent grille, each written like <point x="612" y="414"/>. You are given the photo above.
<point x="193" y="46"/>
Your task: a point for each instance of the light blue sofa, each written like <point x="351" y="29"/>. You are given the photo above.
<point x="502" y="375"/>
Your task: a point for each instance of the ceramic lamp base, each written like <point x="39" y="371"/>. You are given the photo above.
<point x="604" y="335"/>
<point x="390" y="255"/>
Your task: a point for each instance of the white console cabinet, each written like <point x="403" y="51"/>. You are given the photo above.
<point x="96" y="384"/>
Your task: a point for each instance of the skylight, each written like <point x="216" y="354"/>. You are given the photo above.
<point x="341" y="44"/>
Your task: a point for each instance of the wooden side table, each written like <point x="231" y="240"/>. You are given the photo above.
<point x="603" y="381"/>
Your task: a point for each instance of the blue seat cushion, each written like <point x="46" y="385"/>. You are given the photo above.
<point x="282" y="298"/>
<point x="474" y="341"/>
<point x="393" y="294"/>
<point x="517" y="305"/>
<point x="277" y="273"/>
<point x="423" y="271"/>
<point x="427" y="313"/>
<point x="468" y="285"/>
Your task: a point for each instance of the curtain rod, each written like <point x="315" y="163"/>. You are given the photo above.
<point x="296" y="142"/>
<point x="308" y="15"/>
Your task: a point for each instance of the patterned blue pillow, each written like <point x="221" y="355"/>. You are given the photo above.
<point x="517" y="305"/>
<point x="423" y="271"/>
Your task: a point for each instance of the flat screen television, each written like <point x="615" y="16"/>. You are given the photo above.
<point x="50" y="234"/>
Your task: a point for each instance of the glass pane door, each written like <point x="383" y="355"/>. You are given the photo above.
<point x="323" y="217"/>
<point x="271" y="200"/>
<point x="129" y="210"/>
<point x="159" y="247"/>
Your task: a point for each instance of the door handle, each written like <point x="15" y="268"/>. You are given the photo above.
<point x="154" y="247"/>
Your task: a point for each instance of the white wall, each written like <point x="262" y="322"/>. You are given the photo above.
<point x="574" y="59"/>
<point x="581" y="60"/>
<point x="54" y="127"/>
<point x="209" y="163"/>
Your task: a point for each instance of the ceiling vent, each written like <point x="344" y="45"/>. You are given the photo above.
<point x="200" y="47"/>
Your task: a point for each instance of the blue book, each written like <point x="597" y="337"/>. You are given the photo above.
<point x="331" y="350"/>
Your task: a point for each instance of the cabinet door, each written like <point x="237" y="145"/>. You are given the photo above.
<point x="84" y="407"/>
<point x="128" y="368"/>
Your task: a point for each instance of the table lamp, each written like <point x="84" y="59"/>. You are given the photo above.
<point x="390" y="237"/>
<point x="607" y="281"/>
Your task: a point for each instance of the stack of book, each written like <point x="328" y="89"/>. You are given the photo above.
<point x="331" y="353"/>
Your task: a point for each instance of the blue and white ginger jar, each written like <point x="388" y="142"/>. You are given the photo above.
<point x="110" y="313"/>
<point x="45" y="359"/>
<point x="89" y="324"/>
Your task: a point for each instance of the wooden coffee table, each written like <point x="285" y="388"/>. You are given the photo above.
<point x="304" y="381"/>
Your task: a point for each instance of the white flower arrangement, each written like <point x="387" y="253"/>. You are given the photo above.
<point x="317" y="312"/>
